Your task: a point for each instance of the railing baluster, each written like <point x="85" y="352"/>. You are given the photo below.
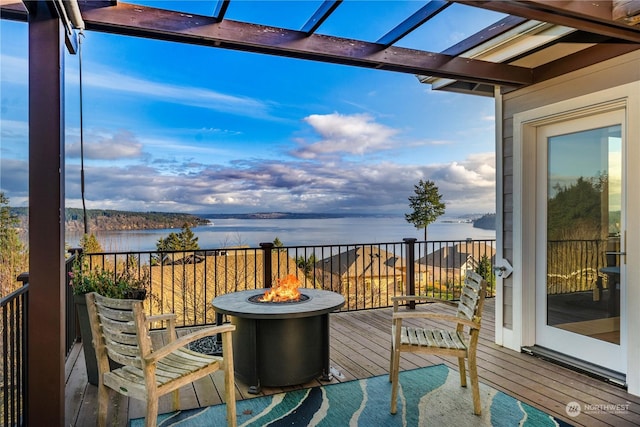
<point x="13" y="309"/>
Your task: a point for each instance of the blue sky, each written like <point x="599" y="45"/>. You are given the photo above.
<point x="171" y="127"/>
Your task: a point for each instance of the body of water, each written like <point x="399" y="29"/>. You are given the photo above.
<point x="291" y="232"/>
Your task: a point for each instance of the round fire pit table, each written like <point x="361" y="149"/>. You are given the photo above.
<point x="278" y="344"/>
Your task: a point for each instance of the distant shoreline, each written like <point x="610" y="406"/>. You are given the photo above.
<point x="105" y="220"/>
<point x="294" y="232"/>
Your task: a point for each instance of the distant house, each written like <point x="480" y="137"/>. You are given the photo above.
<point x="363" y="270"/>
<point x="449" y="264"/>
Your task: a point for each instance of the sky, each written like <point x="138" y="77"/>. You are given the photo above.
<point x="180" y="128"/>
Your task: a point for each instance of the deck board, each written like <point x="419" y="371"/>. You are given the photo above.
<point x="360" y="343"/>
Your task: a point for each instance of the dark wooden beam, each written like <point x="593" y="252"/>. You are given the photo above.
<point x="581" y="15"/>
<point x="13" y="10"/>
<point x="46" y="355"/>
<point x="221" y="9"/>
<point x="139" y="21"/>
<point x="324" y="11"/>
<point x="421" y="16"/>
<point x="486" y="34"/>
<point x="582" y="59"/>
<point x="600" y="10"/>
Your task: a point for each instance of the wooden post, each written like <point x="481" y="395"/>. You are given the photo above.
<point x="267" y="248"/>
<point x="411" y="269"/>
<point x="46" y="338"/>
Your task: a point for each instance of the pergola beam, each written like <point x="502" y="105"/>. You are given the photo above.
<point x="421" y="16"/>
<point x="221" y="9"/>
<point x="488" y="33"/>
<point x="13" y="10"/>
<point x="139" y="21"/>
<point x="581" y="59"/>
<point x="592" y="17"/>
<point x="324" y="11"/>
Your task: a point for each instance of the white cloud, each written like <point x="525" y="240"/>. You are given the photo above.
<point x="122" y="145"/>
<point x="14" y="178"/>
<point x="14" y="69"/>
<point x="345" y="134"/>
<point x="113" y="81"/>
<point x="304" y="186"/>
<point x="14" y="129"/>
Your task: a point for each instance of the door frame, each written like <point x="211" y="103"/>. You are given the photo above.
<point x="626" y="97"/>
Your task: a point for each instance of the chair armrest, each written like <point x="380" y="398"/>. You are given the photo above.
<point x="418" y="298"/>
<point x="171" y="325"/>
<point x="186" y="339"/>
<point x="160" y="317"/>
<point x="437" y="316"/>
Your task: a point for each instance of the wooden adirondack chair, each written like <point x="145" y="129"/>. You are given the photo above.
<point x="452" y="342"/>
<point x="120" y="330"/>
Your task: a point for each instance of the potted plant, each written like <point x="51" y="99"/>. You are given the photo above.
<point x="124" y="284"/>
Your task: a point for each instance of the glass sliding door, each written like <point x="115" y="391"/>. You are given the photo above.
<point x="580" y="256"/>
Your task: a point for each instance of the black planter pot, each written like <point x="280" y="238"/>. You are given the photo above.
<point x="85" y="334"/>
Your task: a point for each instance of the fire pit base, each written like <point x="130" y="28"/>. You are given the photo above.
<point x="279" y="352"/>
<point x="277" y="345"/>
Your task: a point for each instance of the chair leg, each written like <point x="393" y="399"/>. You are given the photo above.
<point x="103" y="403"/>
<point x="395" y="367"/>
<point x="176" y="399"/>
<point x="475" y="386"/>
<point x="229" y="383"/>
<point x="151" y="418"/>
<point x="391" y="354"/>
<point x="463" y="372"/>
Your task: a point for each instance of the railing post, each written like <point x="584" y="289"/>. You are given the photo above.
<point x="411" y="269"/>
<point x="23" y="278"/>
<point x="267" y="249"/>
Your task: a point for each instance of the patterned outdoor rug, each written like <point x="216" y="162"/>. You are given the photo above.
<point x="427" y="396"/>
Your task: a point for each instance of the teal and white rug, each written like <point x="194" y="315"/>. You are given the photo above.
<point x="427" y="396"/>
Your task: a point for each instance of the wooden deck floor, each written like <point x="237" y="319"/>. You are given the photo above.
<point x="360" y="349"/>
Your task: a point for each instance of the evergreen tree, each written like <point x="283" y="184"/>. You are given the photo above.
<point x="185" y="240"/>
<point x="426" y="205"/>
<point x="486" y="271"/>
<point x="13" y="256"/>
<point x="8" y="224"/>
<point x="90" y="244"/>
<point x="575" y="211"/>
<point x="306" y="265"/>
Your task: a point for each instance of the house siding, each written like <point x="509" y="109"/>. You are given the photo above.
<point x="606" y="75"/>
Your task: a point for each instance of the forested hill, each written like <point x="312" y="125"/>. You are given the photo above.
<point x="486" y="222"/>
<point x="100" y="219"/>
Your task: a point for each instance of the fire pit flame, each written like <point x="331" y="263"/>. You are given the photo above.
<point x="286" y="289"/>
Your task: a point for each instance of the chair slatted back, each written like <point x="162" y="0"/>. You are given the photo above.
<point x="122" y="329"/>
<point x="472" y="297"/>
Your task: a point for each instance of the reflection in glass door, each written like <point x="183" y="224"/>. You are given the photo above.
<point x="580" y="239"/>
<point x="583" y="232"/>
